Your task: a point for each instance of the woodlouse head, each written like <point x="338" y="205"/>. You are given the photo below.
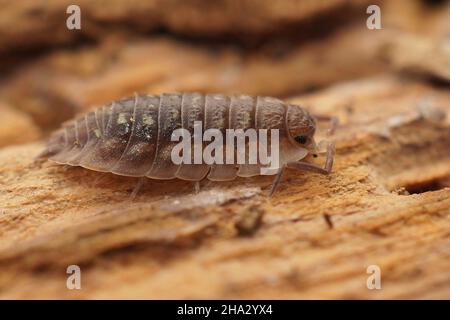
<point x="300" y="126"/>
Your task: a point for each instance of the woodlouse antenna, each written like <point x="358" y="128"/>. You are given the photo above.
<point x="334" y="122"/>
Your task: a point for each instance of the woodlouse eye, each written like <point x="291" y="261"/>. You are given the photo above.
<point x="301" y="139"/>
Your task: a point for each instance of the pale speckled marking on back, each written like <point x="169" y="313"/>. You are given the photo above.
<point x="169" y="119"/>
<point x="242" y="116"/>
<point x="103" y="152"/>
<point x="217" y="108"/>
<point x="192" y="110"/>
<point x="137" y="159"/>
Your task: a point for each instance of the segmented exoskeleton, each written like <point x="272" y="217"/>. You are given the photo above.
<point x="132" y="136"/>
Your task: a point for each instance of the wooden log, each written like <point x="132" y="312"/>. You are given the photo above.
<point x="386" y="204"/>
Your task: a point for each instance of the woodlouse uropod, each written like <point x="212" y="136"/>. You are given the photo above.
<point x="132" y="136"/>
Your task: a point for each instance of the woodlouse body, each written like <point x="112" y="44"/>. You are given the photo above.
<point x="132" y="136"/>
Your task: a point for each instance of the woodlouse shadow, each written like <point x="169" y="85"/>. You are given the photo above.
<point x="148" y="188"/>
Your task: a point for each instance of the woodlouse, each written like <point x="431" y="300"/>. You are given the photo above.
<point x="132" y="136"/>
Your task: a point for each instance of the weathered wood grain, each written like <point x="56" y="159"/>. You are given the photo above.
<point x="387" y="203"/>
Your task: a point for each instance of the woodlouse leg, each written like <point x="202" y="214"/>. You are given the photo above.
<point x="137" y="188"/>
<point x="334" y="121"/>
<point x="39" y="161"/>
<point x="196" y="187"/>
<point x="306" y="166"/>
<point x="197" y="184"/>
<point x="276" y="181"/>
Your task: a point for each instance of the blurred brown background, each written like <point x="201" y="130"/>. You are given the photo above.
<point x="259" y="47"/>
<point x="388" y="200"/>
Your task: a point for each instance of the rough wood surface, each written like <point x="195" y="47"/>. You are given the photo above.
<point x="171" y="243"/>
